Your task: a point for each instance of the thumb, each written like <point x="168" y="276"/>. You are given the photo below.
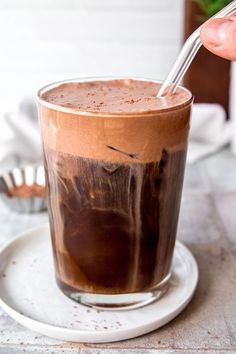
<point x="219" y="36"/>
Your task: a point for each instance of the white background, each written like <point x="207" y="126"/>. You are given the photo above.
<point x="46" y="40"/>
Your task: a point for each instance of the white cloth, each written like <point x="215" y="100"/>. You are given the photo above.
<point x="19" y="136"/>
<point x="209" y="131"/>
<point x="233" y="105"/>
<point x="20" y="139"/>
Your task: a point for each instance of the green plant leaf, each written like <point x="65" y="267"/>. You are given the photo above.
<point x="211" y="7"/>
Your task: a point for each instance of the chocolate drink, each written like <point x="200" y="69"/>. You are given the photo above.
<point x="114" y="159"/>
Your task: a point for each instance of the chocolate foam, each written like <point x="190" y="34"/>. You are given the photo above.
<point x="113" y="96"/>
<point x="114" y="120"/>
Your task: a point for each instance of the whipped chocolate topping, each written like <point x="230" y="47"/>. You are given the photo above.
<point x="113" y="96"/>
<point x="143" y="126"/>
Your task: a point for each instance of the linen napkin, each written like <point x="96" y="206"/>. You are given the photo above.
<point x="19" y="136"/>
<point x="209" y="131"/>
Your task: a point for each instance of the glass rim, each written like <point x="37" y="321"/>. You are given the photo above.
<point x="79" y="112"/>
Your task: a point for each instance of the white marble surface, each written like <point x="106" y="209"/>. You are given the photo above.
<point x="207" y="227"/>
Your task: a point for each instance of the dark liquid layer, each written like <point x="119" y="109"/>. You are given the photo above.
<point x="113" y="226"/>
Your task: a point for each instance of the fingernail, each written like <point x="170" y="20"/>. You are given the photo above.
<point x="216" y="31"/>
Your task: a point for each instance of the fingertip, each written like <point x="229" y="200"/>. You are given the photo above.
<point x="214" y="32"/>
<point x="219" y="37"/>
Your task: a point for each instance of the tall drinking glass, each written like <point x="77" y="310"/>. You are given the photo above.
<point x="114" y="169"/>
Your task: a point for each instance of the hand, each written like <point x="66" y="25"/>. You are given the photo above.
<point x="219" y="36"/>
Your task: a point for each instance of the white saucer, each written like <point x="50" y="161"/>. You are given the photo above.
<point x="29" y="294"/>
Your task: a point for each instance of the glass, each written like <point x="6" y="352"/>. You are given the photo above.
<point x="113" y="221"/>
<point x="188" y="53"/>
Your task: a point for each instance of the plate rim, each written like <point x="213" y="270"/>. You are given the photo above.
<point x="97" y="336"/>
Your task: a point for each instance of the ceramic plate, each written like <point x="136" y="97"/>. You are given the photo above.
<point x="29" y="294"/>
